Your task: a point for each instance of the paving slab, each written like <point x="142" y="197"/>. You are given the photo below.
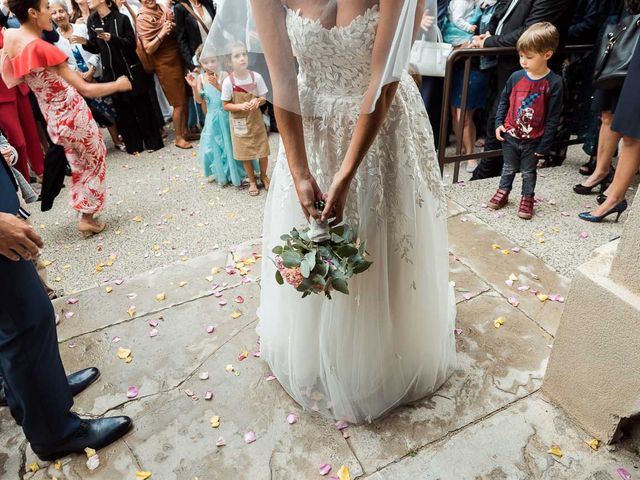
<point x="174" y="438"/>
<point x="513" y="444"/>
<point x="466" y="283"/>
<point x="483" y="250"/>
<point x="565" y="247"/>
<point x="162" y="362"/>
<point x="495" y="368"/>
<point x="12" y="446"/>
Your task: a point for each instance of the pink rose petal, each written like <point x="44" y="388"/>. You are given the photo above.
<point x="341" y="424"/>
<point x="69" y="314"/>
<point x="220" y="442"/>
<point x="514" y="301"/>
<point x="325" y="468"/>
<point x="153" y="323"/>
<point x="249" y="437"/>
<point x="210" y="329"/>
<point x="584" y="235"/>
<point x="119" y="281"/>
<point x="515" y="249"/>
<point x="246" y="280"/>
<point x="292" y="418"/>
<point x="269" y="377"/>
<point x="153" y="332"/>
<point x="72" y="301"/>
<point x="222" y="302"/>
<point x="523" y="288"/>
<point x="217" y="294"/>
<point x="509" y="283"/>
<point x="458" y="331"/>
<point x="208" y="395"/>
<point x="565" y="214"/>
<point x="132" y="392"/>
<point x="534" y="276"/>
<point x="238" y="299"/>
<point x="624" y="475"/>
<point x="467" y="296"/>
<point x="256" y="353"/>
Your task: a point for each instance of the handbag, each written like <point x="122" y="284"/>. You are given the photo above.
<point x="188" y="8"/>
<point x="615" y="53"/>
<point x="145" y="59"/>
<point x="429" y="59"/>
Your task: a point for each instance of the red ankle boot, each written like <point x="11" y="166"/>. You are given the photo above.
<point x="526" y="208"/>
<point x="499" y="200"/>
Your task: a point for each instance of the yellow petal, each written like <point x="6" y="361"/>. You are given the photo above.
<point x="182" y="284"/>
<point x="229" y="368"/>
<point x="90" y="452"/>
<point x="161" y="296"/>
<point x="66" y="267"/>
<point x="215" y="421"/>
<point x="594" y="443"/>
<point x="131" y="311"/>
<point x="542" y="297"/>
<point x="343" y="473"/>
<point x="155" y="248"/>
<point x="209" y="278"/>
<point x="143" y="475"/>
<point x="498" y="322"/>
<point x="215" y="270"/>
<point x="240" y="265"/>
<point x="541" y="240"/>
<point x="137" y="218"/>
<point x="128" y="360"/>
<point x="99" y="267"/>
<point x="513" y="277"/>
<point x="118" y="232"/>
<point x="539" y="234"/>
<point x="57" y="465"/>
<point x="555" y="450"/>
<point x="231" y="215"/>
<point x="109" y="289"/>
<point x="46" y="263"/>
<point x="495" y="246"/>
<point x="34" y="467"/>
<point x="506" y="252"/>
<point x="236" y="314"/>
<point x="123" y="353"/>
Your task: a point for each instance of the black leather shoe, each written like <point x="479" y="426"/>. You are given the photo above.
<point x="95" y="433"/>
<point x="78" y="381"/>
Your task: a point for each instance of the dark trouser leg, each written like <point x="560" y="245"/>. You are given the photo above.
<point x="35" y="381"/>
<point x="148" y="128"/>
<point x="528" y="167"/>
<point x="511" y="154"/>
<point x="431" y="91"/>
<point x="127" y="122"/>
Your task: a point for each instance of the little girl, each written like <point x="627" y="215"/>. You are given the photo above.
<point x="216" y="148"/>
<point x="460" y="26"/>
<point x="243" y="93"/>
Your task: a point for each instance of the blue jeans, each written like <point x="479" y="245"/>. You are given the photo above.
<point x="519" y="156"/>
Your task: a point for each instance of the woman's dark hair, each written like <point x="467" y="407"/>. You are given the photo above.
<point x="633" y="6"/>
<point x="75" y="12"/>
<point x="20" y="8"/>
<point x="112" y="5"/>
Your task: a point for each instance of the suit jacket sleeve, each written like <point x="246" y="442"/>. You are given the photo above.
<point x="542" y="11"/>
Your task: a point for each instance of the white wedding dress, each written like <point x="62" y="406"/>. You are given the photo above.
<point x="391" y="341"/>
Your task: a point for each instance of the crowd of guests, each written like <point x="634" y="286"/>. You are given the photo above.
<point x="605" y="119"/>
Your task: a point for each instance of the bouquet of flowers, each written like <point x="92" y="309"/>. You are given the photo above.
<point x="319" y="259"/>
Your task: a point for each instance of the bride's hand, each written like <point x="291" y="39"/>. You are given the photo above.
<point x="336" y="198"/>
<point x="308" y="195"/>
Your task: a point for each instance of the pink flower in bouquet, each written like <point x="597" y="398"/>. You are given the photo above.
<point x="292" y="276"/>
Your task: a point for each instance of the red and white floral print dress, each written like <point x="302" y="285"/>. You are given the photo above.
<point x="69" y="121"/>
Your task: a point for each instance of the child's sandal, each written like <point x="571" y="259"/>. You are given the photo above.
<point x="253" y="190"/>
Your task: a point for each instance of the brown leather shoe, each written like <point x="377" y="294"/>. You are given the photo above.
<point x="526" y="208"/>
<point x="499" y="200"/>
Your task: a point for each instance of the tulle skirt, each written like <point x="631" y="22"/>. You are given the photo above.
<point x="391" y="340"/>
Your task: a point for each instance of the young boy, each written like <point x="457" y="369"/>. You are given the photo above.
<point x="528" y="115"/>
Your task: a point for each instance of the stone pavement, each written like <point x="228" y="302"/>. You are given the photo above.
<point x="489" y="421"/>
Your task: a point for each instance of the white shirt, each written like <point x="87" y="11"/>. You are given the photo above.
<point x="67" y="47"/>
<point x="227" y="87"/>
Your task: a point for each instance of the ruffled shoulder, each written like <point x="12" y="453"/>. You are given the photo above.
<point x="37" y="54"/>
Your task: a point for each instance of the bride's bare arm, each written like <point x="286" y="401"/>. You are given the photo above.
<point x="369" y="124"/>
<point x="271" y="26"/>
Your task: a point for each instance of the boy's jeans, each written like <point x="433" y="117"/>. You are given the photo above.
<point x="519" y="155"/>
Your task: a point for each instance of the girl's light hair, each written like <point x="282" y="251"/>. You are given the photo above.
<point x="539" y="38"/>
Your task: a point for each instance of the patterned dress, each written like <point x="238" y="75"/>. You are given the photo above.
<point x="69" y="121"/>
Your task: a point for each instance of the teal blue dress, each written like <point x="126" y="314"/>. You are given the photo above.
<point x="216" y="149"/>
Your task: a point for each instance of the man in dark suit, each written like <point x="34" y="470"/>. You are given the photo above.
<point x="511" y="19"/>
<point x="36" y="388"/>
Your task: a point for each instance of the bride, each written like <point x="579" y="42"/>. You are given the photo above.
<point x="354" y="131"/>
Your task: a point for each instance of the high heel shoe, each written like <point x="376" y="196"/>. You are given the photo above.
<point x="603" y="184"/>
<point x="88" y="229"/>
<point x="618" y="209"/>
<point x="601" y="198"/>
<point x="588" y="168"/>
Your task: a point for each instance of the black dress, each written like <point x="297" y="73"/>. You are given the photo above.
<point x="135" y="115"/>
<point x="627" y="117"/>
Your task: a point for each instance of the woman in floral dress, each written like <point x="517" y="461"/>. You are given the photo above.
<point x="59" y="91"/>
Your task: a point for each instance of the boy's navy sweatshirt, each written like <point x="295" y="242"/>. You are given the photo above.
<point x="531" y="109"/>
